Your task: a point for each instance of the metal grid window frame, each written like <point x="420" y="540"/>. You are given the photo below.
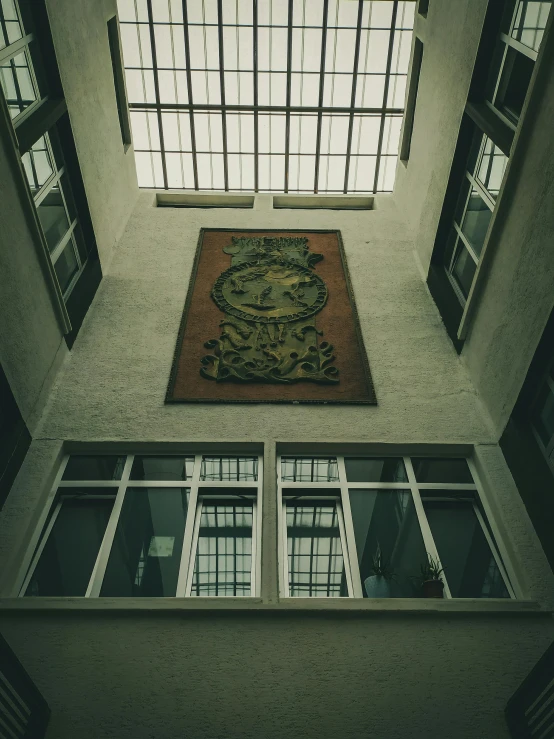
<point x="459" y="249"/>
<point x="199" y="492"/>
<point x="338" y="493"/>
<point x="275" y="169"/>
<point x="19" y="106"/>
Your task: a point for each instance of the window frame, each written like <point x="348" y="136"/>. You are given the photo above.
<point x="498" y="549"/>
<point x="120" y="487"/>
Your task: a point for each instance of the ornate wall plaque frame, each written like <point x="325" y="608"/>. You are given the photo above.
<point x="270" y="317"/>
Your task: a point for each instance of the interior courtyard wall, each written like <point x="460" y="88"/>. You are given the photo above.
<point x="80" y="35"/>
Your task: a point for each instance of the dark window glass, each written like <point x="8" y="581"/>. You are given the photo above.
<point x="371" y="469"/>
<point x="162" y="468"/>
<point x="514" y="83"/>
<point x="316" y="562"/>
<point x="229" y="468"/>
<point x="492" y="167"/>
<point x="81" y="467"/>
<point x="146" y="552"/>
<point x="469" y="565"/>
<point x="53" y="218"/>
<point x="441" y="470"/>
<point x="38" y="165"/>
<point x="476" y="221"/>
<point x="66" y="266"/>
<point x="67" y="560"/>
<point x="464" y="269"/>
<point x="385" y="521"/>
<point x="223" y="564"/>
<point x="543" y="415"/>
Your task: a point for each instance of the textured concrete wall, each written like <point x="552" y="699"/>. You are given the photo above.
<point x="231" y="676"/>
<point x="31" y="341"/>
<point x="518" y="284"/>
<point x="450" y="37"/>
<point x="80" y="37"/>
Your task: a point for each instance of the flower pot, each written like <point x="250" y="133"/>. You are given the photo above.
<point x="376" y="586"/>
<point x="432" y="589"/>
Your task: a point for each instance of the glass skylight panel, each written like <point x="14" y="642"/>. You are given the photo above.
<point x="266" y="95"/>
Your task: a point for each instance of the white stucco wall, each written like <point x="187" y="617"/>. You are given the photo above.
<point x="268" y="673"/>
<point x="80" y="34"/>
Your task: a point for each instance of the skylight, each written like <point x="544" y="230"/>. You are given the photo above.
<point x="266" y="95"/>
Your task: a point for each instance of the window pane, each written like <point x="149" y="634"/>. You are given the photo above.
<point x="476" y="221"/>
<point x="309" y="469"/>
<point x="441" y="470"/>
<point x="17" y="84"/>
<point x="162" y="468"/>
<point x="530" y="22"/>
<point x="385" y="521"/>
<point x="514" y="83"/>
<point x="229" y="468"/>
<point x="146" y="552"/>
<point x="469" y="565"/>
<point x="464" y="269"/>
<point x="10" y="28"/>
<point x="68" y="558"/>
<point x="389" y="469"/>
<point x="223" y="564"/>
<point x="81" y="467"/>
<point x="53" y="218"/>
<point x="66" y="266"/>
<point x="38" y="165"/>
<point x="492" y="167"/>
<point x="314" y="550"/>
<point x="543" y="415"/>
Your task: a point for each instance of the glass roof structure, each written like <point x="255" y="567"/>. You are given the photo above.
<point x="266" y="95"/>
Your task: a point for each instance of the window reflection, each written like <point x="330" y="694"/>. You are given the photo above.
<point x="385" y="522"/>
<point x="38" y="165"/>
<point x="53" y="218"/>
<point x="10" y="27"/>
<point x="17" y="84"/>
<point x="530" y="22"/>
<point x="223" y="564"/>
<point x="315" y="555"/>
<point x="492" y="167"/>
<point x="476" y="221"/>
<point x="309" y="469"/>
<point x="229" y="468"/>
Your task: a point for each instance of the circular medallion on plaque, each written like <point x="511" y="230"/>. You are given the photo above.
<point x="270" y="293"/>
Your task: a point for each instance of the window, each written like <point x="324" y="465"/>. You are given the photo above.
<point x="417" y="61"/>
<point x="338" y="514"/>
<point x="498" y="91"/>
<point x="542" y="416"/>
<point x="119" y="81"/>
<point x="152" y="526"/>
<point x="35" y="101"/>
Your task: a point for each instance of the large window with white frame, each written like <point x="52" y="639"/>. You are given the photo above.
<point x="150" y="525"/>
<point x="342" y="516"/>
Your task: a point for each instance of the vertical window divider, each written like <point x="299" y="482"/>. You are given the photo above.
<point x="99" y="570"/>
<point x="282" y="550"/>
<point x="190" y="569"/>
<point x="351" y="553"/>
<point x="428" y="540"/>
<point x="257" y="532"/>
<point x="32" y="554"/>
<point x="187" y="550"/>
<point x="344" y="546"/>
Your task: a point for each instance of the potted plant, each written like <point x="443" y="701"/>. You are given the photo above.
<point x="430" y="580"/>
<point x="379" y="583"/>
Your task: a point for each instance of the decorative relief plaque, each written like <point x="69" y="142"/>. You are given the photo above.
<point x="288" y="331"/>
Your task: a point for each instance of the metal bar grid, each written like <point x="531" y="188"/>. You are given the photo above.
<point x="272" y="171"/>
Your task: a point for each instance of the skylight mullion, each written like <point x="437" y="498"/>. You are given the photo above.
<point x="321" y="88"/>
<point x="289" y="78"/>
<point x="222" y="88"/>
<point x="157" y="92"/>
<point x="255" y="72"/>
<point x="353" y="96"/>
<point x="189" y="85"/>
<point x="385" y="94"/>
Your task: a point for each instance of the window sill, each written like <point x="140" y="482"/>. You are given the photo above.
<point x="357" y="606"/>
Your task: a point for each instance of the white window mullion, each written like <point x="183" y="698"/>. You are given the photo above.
<point x="351" y="551"/>
<point x="345" y="557"/>
<point x="99" y="570"/>
<point x="194" y="547"/>
<point x="257" y="531"/>
<point x="189" y="528"/>
<point x="428" y="540"/>
<point x="282" y="549"/>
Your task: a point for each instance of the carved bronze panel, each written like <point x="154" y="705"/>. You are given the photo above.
<point x="283" y="308"/>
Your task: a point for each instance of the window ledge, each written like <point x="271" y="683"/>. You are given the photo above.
<point x="357" y="606"/>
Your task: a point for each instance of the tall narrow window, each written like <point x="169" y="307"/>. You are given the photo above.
<point x="411" y="100"/>
<point x="119" y="80"/>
